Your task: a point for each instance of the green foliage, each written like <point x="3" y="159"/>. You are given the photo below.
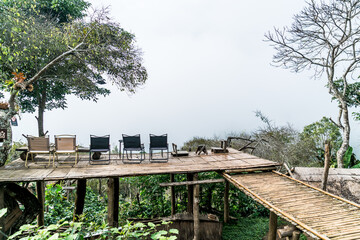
<point x="196" y="141"/>
<point x="79" y="230"/>
<point x="13" y="154"/>
<point x="63" y="10"/>
<point x="352" y="95"/>
<point x="319" y="132"/>
<point x="347" y="157"/>
<point x="60" y="208"/>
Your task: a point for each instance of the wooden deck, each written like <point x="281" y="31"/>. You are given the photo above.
<point x="320" y="214"/>
<point x="17" y="172"/>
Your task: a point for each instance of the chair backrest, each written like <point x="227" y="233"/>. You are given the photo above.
<point x="65" y="142"/>
<point x="158" y="141"/>
<point x="174" y="146"/>
<point x="102" y="142"/>
<point x="38" y="143"/>
<point x="131" y="141"/>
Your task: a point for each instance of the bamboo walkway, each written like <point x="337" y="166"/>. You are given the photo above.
<point x="318" y="213"/>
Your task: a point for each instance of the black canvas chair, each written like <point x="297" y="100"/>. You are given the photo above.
<point x="159" y="143"/>
<point x="97" y="146"/>
<point x="132" y="144"/>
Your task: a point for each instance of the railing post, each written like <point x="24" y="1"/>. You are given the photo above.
<point x="196" y="212"/>
<point x="226" y="202"/>
<point x="190" y="177"/>
<point x="172" y="190"/>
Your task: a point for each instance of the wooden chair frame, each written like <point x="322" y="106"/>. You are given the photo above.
<point x="38" y="145"/>
<point x="65" y="144"/>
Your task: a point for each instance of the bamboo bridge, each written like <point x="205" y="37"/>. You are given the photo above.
<point x="318" y="213"/>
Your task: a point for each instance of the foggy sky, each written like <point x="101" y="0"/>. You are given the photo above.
<point x="209" y="70"/>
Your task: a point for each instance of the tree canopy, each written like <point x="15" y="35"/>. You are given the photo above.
<point x="107" y="54"/>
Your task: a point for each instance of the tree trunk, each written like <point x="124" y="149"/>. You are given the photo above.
<point x="41" y="109"/>
<point x="5" y="148"/>
<point x="345" y="136"/>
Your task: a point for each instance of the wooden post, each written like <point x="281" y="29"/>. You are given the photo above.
<point x="326" y="165"/>
<point x="296" y="235"/>
<point x="2" y="205"/>
<point x="272" y="226"/>
<point x="190" y="177"/>
<point x="196" y="212"/>
<point x="40" y="192"/>
<point x="79" y="199"/>
<point x="226" y="202"/>
<point x="172" y="190"/>
<point x="113" y="202"/>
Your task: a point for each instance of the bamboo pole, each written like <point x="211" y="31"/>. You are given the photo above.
<point x="170" y="184"/>
<point x="40" y="192"/>
<point x="113" y="202"/>
<point x="79" y="199"/>
<point x="326" y="166"/>
<point x="172" y="190"/>
<point x="272" y="226"/>
<point x="226" y="202"/>
<point x="196" y="212"/>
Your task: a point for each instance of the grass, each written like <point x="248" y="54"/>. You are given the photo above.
<point x="251" y="228"/>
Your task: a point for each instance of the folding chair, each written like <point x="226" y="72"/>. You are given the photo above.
<point x="99" y="145"/>
<point x="159" y="143"/>
<point x="132" y="143"/>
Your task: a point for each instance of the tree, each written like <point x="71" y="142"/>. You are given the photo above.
<point x="321" y="131"/>
<point x="50" y="93"/>
<point x="324" y="37"/>
<point x="99" y="46"/>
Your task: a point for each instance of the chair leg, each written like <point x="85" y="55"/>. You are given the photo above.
<point x="54" y="159"/>
<point x="26" y="159"/>
<point x="49" y="160"/>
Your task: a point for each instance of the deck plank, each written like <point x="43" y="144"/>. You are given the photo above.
<point x="16" y="171"/>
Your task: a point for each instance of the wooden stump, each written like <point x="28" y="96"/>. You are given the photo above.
<point x="96" y="155"/>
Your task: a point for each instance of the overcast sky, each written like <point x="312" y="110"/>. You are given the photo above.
<point x="209" y="70"/>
